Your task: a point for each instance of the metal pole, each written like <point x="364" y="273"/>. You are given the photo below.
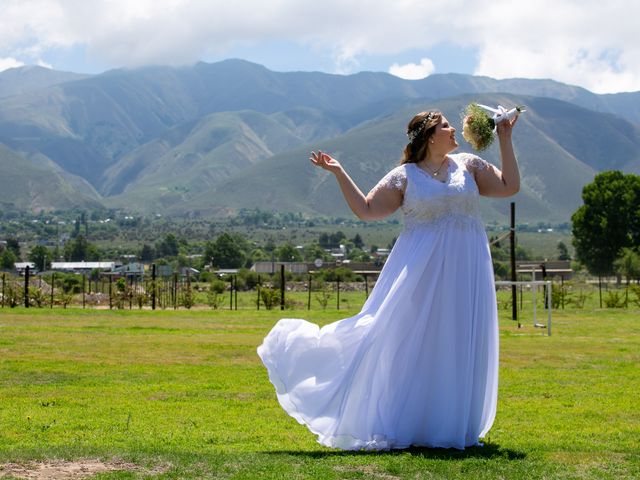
<point x="153" y="286"/>
<point x="235" y="293"/>
<point x="53" y="282"/>
<point x="534" y="290"/>
<point x="366" y="285"/>
<point x="549" y="309"/>
<point x="282" y="287"/>
<point x="338" y="292"/>
<point x="230" y="292"/>
<point x="258" y="290"/>
<point x="309" y="298"/>
<point x="26" y="287"/>
<point x="84" y="280"/>
<point x="110" y="292"/>
<point x="174" y="290"/>
<point x="512" y="245"/>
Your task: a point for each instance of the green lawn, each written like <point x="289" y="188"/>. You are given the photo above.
<point x="183" y="395"/>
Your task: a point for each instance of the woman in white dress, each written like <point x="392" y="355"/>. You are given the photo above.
<point x="419" y="364"/>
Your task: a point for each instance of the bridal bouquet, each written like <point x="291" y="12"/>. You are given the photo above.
<point x="478" y="128"/>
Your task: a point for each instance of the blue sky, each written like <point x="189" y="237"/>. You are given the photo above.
<point x="581" y="42"/>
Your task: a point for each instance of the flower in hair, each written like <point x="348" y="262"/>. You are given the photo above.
<point x="413" y="134"/>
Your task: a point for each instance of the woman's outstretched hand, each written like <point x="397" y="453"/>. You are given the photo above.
<point x="325" y="161"/>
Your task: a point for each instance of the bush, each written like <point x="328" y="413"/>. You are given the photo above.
<point x="615" y="299"/>
<point x="324" y="293"/>
<point x="270" y="297"/>
<point x="342" y="273"/>
<point x="218" y="286"/>
<point x="248" y="277"/>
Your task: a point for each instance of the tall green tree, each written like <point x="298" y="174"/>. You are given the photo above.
<point x="608" y="220"/>
<point x="14" y="245"/>
<point x="7" y="259"/>
<point x="225" y="252"/>
<point x="357" y="241"/>
<point x="563" y="251"/>
<point x="41" y="257"/>
<point x="147" y="253"/>
<point x="79" y="249"/>
<point x="168" y="246"/>
<point x="288" y="253"/>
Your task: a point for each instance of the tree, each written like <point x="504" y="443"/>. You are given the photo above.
<point x="563" y="251"/>
<point x="357" y="241"/>
<point x="628" y="264"/>
<point x="314" y="251"/>
<point x="332" y="240"/>
<point x="168" y="247"/>
<point x="41" y="257"/>
<point x="79" y="249"/>
<point x="147" y="254"/>
<point x="225" y="252"/>
<point x="7" y="259"/>
<point x="288" y="253"/>
<point x="14" y="245"/>
<point x="608" y="221"/>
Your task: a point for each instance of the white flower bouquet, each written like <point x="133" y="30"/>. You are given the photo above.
<point x="478" y="128"/>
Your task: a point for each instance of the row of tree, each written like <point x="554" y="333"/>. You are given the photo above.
<point x="227" y="250"/>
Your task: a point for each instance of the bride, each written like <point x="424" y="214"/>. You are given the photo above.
<point x="419" y="364"/>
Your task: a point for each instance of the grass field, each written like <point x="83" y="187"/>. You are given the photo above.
<point x="178" y="394"/>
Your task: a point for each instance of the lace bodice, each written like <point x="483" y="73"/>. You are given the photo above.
<point x="430" y="202"/>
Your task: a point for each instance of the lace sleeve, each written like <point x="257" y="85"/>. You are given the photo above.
<point x="476" y="163"/>
<point x="395" y="179"/>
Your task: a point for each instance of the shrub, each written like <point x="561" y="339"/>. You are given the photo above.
<point x="270" y="297"/>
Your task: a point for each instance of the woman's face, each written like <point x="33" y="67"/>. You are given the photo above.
<point x="443" y="138"/>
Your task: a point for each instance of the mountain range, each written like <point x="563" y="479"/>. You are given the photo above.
<point x="212" y="138"/>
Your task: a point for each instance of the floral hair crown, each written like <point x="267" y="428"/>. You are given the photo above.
<point x="413" y="134"/>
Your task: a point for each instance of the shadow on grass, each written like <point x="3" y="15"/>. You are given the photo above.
<point x="488" y="451"/>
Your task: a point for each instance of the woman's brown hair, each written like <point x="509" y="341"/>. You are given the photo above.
<point x="419" y="131"/>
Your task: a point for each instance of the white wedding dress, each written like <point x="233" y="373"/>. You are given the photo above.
<point x="419" y="364"/>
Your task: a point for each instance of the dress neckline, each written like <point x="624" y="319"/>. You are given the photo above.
<point x="446" y="179"/>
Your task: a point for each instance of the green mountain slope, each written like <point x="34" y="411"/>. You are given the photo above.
<point x="40" y="187"/>
<point x="553" y="172"/>
<point x="195" y="156"/>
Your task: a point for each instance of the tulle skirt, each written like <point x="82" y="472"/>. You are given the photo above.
<point x="417" y="366"/>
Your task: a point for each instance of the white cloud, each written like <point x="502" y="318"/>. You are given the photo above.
<point x="588" y="43"/>
<point x="9" y="62"/>
<point x="412" y="71"/>
<point x="42" y="63"/>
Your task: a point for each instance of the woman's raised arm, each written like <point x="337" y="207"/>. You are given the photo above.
<point x="505" y="182"/>
<point x="377" y="204"/>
